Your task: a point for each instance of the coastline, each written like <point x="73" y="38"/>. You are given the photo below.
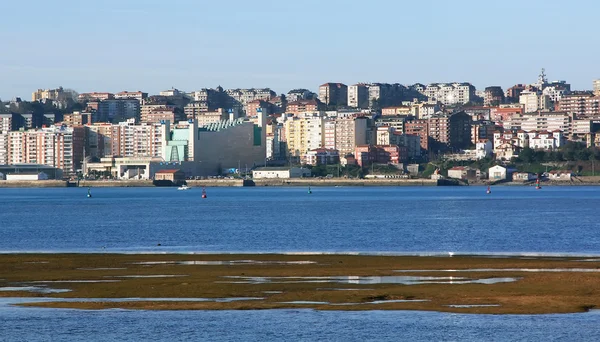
<point x="578" y="181"/>
<point x="461" y="284"/>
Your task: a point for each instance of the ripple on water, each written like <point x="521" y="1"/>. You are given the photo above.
<point x="369" y="280"/>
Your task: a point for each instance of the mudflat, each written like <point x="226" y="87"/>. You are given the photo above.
<point x="465" y="284"/>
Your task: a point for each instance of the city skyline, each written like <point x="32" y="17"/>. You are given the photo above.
<point x="152" y="46"/>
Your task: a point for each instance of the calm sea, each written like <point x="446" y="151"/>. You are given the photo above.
<point x="267" y="219"/>
<point x="413" y="220"/>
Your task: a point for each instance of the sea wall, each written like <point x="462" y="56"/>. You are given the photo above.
<point x="345" y="182"/>
<point x="33" y="184"/>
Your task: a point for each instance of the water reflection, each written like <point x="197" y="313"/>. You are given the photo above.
<point x="225" y="262"/>
<point x="369" y="280"/>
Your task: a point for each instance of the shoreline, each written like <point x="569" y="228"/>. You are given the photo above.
<point x="581" y="181"/>
<point x="461" y="284"/>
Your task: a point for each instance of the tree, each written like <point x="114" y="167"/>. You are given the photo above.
<point x="526" y="155"/>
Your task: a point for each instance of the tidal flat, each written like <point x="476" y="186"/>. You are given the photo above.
<point x="461" y="284"/>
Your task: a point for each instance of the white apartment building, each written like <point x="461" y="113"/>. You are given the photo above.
<point x="534" y="101"/>
<point x="543" y="121"/>
<point x="358" y="96"/>
<point x="3" y="147"/>
<point x="450" y="93"/>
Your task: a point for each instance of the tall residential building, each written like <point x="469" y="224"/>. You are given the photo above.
<point x="10" y="122"/>
<point x="513" y="93"/>
<point x="299" y="95"/>
<point x="303" y="106"/>
<point x="556" y="90"/>
<point x="583" y="104"/>
<point x="450" y="93"/>
<point x="493" y="96"/>
<point x="452" y="130"/>
<point x="86" y="97"/>
<point x="163" y="113"/>
<point x="385" y="94"/>
<point x="206" y="118"/>
<point x="345" y="133"/>
<point x="60" y="147"/>
<point x="118" y="110"/>
<point x="239" y="98"/>
<point x="420" y="128"/>
<point x="58" y="94"/>
<point x="147" y="109"/>
<point x="333" y="94"/>
<point x="129" y="139"/>
<point x="358" y="96"/>
<point x="304" y="134"/>
<point x="597" y="87"/>
<point x="534" y="101"/>
<point x="541" y="121"/>
<point x="135" y="95"/>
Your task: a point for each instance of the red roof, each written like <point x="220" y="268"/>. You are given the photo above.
<point x="169" y="171"/>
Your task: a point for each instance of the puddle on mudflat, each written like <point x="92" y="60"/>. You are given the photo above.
<point x="362" y="280"/>
<point x="532" y="270"/>
<point x="73" y="281"/>
<point x="35" y="289"/>
<point x="17" y="300"/>
<point x="342" y="289"/>
<point x="150" y="276"/>
<point x="468" y="306"/>
<point x="227" y="262"/>
<point x="398" y="301"/>
<point x="305" y="302"/>
<point x="101" y="268"/>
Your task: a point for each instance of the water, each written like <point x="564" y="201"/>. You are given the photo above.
<point x="266" y="219"/>
<point x="33" y="324"/>
<point x="554" y="220"/>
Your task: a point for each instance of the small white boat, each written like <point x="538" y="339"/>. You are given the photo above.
<point x="183" y="187"/>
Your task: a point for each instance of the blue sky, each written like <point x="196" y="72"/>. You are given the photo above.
<point x="149" y="45"/>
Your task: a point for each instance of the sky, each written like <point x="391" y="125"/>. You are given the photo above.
<point x="149" y="45"/>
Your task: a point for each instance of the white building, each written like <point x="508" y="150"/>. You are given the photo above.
<point x="484" y="148"/>
<point x="26" y="176"/>
<point x="499" y="173"/>
<point x="280" y="172"/>
<point x="358" y="96"/>
<point x="534" y="101"/>
<point x="450" y="93"/>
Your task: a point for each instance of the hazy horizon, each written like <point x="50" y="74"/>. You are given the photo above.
<point x="155" y="45"/>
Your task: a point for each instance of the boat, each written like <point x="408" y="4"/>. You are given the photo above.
<point x="203" y="192"/>
<point x="309" y="190"/>
<point x="183" y="187"/>
<point x="489" y="190"/>
<point x="89" y="194"/>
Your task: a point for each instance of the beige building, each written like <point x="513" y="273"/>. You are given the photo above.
<point x="60" y="147"/>
<point x="534" y="101"/>
<point x="147" y="109"/>
<point x="344" y="134"/>
<point x="50" y="94"/>
<point x="597" y="87"/>
<point x="304" y="134"/>
<point x="136" y="95"/>
<point x="542" y="121"/>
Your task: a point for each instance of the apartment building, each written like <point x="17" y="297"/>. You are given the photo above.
<point x="134" y="95"/>
<point x="333" y="94"/>
<point x="582" y="104"/>
<point x="542" y="121"/>
<point x="95" y="96"/>
<point x="596" y="87"/>
<point x="358" y="96"/>
<point x="58" y="94"/>
<point x="147" y="109"/>
<point x="452" y="130"/>
<point x="534" y="101"/>
<point x="513" y="93"/>
<point x="419" y="128"/>
<point x="60" y="147"/>
<point x="118" y="110"/>
<point x="300" y="94"/>
<point x="345" y="133"/>
<point x="302" y="106"/>
<point x="397" y="110"/>
<point x="77" y="119"/>
<point x="493" y="96"/>
<point x="304" y="134"/>
<point x="450" y="93"/>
